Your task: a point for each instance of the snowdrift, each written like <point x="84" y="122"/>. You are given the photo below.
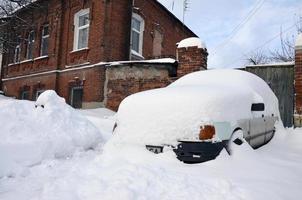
<point x="162" y="116"/>
<point x="32" y="132"/>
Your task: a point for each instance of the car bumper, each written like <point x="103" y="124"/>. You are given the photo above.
<point x="197" y="152"/>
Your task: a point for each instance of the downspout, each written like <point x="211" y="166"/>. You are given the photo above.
<point x="104" y="33"/>
<point x="59" y="44"/>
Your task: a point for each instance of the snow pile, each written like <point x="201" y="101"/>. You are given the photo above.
<point x="103" y="118"/>
<point x="131" y="172"/>
<point x="192" y="42"/>
<point x="31" y="133"/>
<point x="163" y="116"/>
<point x="233" y="79"/>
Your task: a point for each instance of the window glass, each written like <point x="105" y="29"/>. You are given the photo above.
<point x="44" y="41"/>
<point x="30" y="45"/>
<point x="137" y="31"/>
<point x="135" y="41"/>
<point x="83" y="20"/>
<point x="45" y="31"/>
<point x="136" y="24"/>
<point x="25" y="95"/>
<point x="17" y="53"/>
<point x="76" y="96"/>
<point x="81" y="33"/>
<point x="83" y="38"/>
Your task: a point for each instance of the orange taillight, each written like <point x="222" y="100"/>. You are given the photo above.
<point x="206" y="132"/>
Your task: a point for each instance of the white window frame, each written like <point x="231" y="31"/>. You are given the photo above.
<point x="43" y="38"/>
<point x="30" y="42"/>
<point x="77" y="28"/>
<point x="140" y="32"/>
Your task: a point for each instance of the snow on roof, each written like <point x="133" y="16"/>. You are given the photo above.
<point x="289" y="63"/>
<point x="299" y="41"/>
<point x="192" y="42"/>
<point x="162" y="116"/>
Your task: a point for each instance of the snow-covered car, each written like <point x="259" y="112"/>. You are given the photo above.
<point x="200" y="113"/>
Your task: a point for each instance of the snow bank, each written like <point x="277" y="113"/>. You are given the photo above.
<point x="299" y="41"/>
<point x="103" y="118"/>
<point x="176" y="112"/>
<point x="131" y="172"/>
<point x="31" y="133"/>
<point x="192" y="42"/>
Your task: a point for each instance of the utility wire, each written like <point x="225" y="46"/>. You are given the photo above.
<point x="255" y="9"/>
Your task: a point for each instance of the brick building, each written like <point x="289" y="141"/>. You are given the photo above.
<point x="71" y="45"/>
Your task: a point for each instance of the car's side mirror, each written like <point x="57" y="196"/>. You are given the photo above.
<point x="258" y="107"/>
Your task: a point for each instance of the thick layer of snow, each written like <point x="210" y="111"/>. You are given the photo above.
<point x="163" y="116"/>
<point x="131" y="172"/>
<point x="299" y="41"/>
<point x="192" y="42"/>
<point x="32" y="132"/>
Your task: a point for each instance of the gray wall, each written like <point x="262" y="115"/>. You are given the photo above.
<point x="281" y="80"/>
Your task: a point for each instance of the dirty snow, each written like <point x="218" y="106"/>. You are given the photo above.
<point x="191" y="42"/>
<point x="163" y="116"/>
<point x="131" y="172"/>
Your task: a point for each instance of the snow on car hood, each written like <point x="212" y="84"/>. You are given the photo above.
<point x="176" y="112"/>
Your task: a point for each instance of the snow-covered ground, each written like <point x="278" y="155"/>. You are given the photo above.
<point x="92" y="170"/>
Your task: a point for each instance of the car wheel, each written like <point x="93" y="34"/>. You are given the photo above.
<point x="236" y="140"/>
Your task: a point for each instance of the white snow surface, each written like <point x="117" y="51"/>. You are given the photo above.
<point x="191" y="42"/>
<point x="163" y="116"/>
<point x="299" y="41"/>
<point x="131" y="172"/>
<point x="128" y="171"/>
<point x="32" y="132"/>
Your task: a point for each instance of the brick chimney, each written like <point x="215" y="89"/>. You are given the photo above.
<point x="192" y="56"/>
<point x="298" y="82"/>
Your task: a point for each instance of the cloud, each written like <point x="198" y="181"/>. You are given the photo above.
<point x="214" y="20"/>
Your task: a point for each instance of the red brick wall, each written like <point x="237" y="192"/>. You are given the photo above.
<point x="109" y="40"/>
<point x="123" y="81"/>
<point x="298" y="81"/>
<point x="93" y="54"/>
<point x="191" y="59"/>
<point x="14" y="87"/>
<point x="91" y="79"/>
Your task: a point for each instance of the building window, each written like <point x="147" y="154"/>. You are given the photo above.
<point x="81" y="29"/>
<point x="76" y="96"/>
<point x="38" y="93"/>
<point x="30" y="45"/>
<point x="137" y="32"/>
<point x="24" y="95"/>
<point x="17" y="53"/>
<point x="44" y="41"/>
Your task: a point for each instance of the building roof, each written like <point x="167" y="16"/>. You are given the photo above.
<point x="173" y="16"/>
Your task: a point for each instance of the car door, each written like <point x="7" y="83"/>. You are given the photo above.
<point x="270" y="128"/>
<point x="257" y="129"/>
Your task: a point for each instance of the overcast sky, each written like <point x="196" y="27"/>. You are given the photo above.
<point x="232" y="29"/>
